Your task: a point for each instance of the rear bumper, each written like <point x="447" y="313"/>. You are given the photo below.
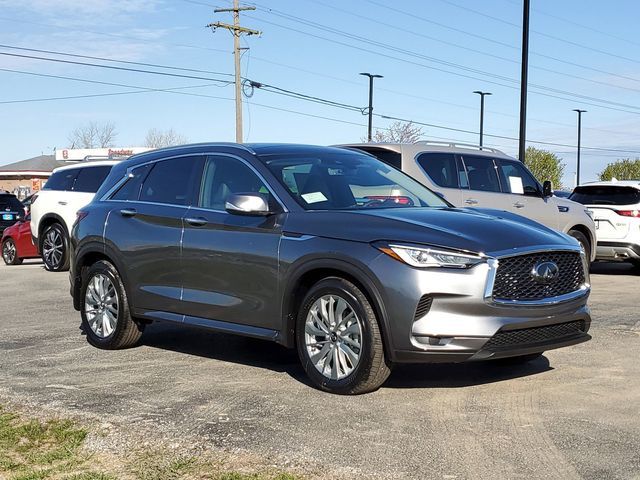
<point x="617" y="251"/>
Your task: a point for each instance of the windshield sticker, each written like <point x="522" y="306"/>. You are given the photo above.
<point x="516" y="185"/>
<point x="314" y="197"/>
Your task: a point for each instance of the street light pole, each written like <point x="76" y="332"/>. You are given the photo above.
<point x="482" y="94"/>
<point x="523" y="80"/>
<point x="580" y="112"/>
<point x="370" y="126"/>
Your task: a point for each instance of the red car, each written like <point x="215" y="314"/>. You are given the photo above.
<point x="16" y="243"/>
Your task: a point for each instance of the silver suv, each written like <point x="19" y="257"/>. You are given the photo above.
<point x="615" y="206"/>
<point x="470" y="176"/>
<point x="308" y="247"/>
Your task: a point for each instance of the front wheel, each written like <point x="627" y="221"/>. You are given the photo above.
<point x="55" y="248"/>
<point x="338" y="339"/>
<point x="104" y="309"/>
<point x="583" y="241"/>
<point x="10" y="252"/>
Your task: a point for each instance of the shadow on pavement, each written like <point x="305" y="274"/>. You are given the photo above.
<point x="264" y="354"/>
<point x="614" y="268"/>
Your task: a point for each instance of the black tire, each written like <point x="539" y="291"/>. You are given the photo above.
<point x="127" y="332"/>
<point x="56" y="260"/>
<point x="372" y="368"/>
<point x="10" y="252"/>
<point x="583" y="241"/>
<point x="520" y="360"/>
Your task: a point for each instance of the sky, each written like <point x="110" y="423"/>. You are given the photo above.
<point x="433" y="54"/>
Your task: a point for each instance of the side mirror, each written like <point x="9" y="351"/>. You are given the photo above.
<point x="247" y="204"/>
<point x="547" y="189"/>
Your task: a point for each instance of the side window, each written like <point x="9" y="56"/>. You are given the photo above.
<point x="130" y="191"/>
<point x="481" y="173"/>
<point x="61" y="180"/>
<point x="516" y="179"/>
<point x="441" y="168"/>
<point x="89" y="179"/>
<point x="224" y="176"/>
<point x="171" y="181"/>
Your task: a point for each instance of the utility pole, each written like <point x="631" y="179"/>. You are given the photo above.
<point x="580" y="112"/>
<point x="371" y="77"/>
<point x="236" y="30"/>
<point x="482" y="94"/>
<point x="523" y="80"/>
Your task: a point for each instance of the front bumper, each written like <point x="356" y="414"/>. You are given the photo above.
<point x="461" y="322"/>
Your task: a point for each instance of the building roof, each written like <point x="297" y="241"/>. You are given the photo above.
<point x="41" y="163"/>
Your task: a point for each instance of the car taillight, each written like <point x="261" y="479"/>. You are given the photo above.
<point x="399" y="199"/>
<point x="629" y="213"/>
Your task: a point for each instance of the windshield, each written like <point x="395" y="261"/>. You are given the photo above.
<point x="348" y="181"/>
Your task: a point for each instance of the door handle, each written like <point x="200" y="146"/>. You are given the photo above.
<point x="128" y="212"/>
<point x="518" y="205"/>
<point x="471" y="201"/>
<point x="62" y="203"/>
<point x="196" y="221"/>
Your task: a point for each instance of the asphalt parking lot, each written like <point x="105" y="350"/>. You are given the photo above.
<point x="572" y="414"/>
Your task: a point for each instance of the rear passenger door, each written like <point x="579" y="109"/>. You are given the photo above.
<point x="145" y="228"/>
<point x="445" y="173"/>
<point x="231" y="261"/>
<point x="483" y="185"/>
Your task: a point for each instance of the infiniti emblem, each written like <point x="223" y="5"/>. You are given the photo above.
<point x="545" y="272"/>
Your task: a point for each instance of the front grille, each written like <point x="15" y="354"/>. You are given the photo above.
<point x="424" y="305"/>
<point x="514" y="279"/>
<point x="532" y="336"/>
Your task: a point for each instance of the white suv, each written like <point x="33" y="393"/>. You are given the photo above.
<point x="616" y="210"/>
<point x="470" y="176"/>
<point x="53" y="209"/>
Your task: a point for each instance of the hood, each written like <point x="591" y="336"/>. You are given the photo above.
<point x="479" y="230"/>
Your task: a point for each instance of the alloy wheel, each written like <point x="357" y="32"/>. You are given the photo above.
<point x="333" y="337"/>
<point x="101" y="305"/>
<point x="9" y="252"/>
<point x="53" y="248"/>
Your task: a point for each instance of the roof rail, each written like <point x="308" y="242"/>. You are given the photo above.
<point x="460" y="145"/>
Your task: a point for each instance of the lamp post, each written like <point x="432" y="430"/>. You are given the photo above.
<point x="523" y="80"/>
<point x="482" y="95"/>
<point x="580" y="112"/>
<point x="371" y="77"/>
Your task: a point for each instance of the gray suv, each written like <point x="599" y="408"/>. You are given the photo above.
<point x="327" y="250"/>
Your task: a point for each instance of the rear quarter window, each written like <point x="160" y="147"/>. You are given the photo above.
<point x="606" y="195"/>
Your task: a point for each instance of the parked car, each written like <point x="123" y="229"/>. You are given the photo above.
<point x="616" y="211"/>
<point x="471" y="176"/>
<point x="54" y="208"/>
<point x="11" y="210"/>
<point x="16" y="243"/>
<point x="310" y="247"/>
<point x="562" y="193"/>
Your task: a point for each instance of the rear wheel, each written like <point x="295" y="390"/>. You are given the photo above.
<point x="104" y="309"/>
<point x="55" y="248"/>
<point x="339" y="340"/>
<point x="583" y="241"/>
<point x="10" y="252"/>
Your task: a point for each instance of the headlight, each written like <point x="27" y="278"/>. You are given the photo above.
<point x="430" y="257"/>
<point x="589" y="212"/>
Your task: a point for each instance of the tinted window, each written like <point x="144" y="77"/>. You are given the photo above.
<point x="515" y="178"/>
<point x="387" y="156"/>
<point x="89" y="179"/>
<point x="224" y="176"/>
<point x="171" y="181"/>
<point x="481" y="173"/>
<point x="606" y="195"/>
<point x="61" y="180"/>
<point x="441" y="168"/>
<point x="9" y="202"/>
<point x="131" y="189"/>
<point x="329" y="181"/>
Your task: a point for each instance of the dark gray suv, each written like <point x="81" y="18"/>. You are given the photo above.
<point x="328" y="250"/>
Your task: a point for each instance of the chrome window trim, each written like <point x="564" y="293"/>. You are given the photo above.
<point x="493" y="262"/>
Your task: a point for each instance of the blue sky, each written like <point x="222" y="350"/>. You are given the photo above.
<point x="426" y="50"/>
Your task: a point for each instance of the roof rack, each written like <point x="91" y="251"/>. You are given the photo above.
<point x="460" y="145"/>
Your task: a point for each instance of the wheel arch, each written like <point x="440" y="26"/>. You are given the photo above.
<point x="300" y="281"/>
<point x="587" y="233"/>
<point x="46" y="221"/>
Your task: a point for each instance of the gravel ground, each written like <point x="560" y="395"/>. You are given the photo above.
<point x="571" y="414"/>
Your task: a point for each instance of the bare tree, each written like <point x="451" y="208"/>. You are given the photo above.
<point x="164" y="138"/>
<point x="93" y="135"/>
<point x="399" y="132"/>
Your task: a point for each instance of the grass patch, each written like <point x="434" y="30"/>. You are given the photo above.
<point x="32" y="449"/>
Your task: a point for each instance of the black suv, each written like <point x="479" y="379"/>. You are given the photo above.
<point x="11" y="210"/>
